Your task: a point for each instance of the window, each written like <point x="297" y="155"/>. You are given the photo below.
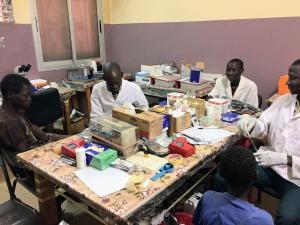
<point x="67" y="32"/>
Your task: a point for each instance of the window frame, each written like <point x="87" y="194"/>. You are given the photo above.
<point x="65" y="64"/>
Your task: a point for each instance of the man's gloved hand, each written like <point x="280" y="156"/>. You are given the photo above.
<point x="246" y="125"/>
<point x="270" y="158"/>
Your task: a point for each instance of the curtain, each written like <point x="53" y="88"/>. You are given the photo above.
<point x="54" y="30"/>
<point x="86" y="28"/>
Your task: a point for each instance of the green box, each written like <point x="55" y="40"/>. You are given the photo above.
<point x="104" y="159"/>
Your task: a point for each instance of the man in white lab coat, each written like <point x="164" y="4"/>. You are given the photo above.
<point x="279" y="161"/>
<point x="235" y="86"/>
<point x="115" y="91"/>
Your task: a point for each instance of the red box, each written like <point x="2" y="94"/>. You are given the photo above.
<point x="69" y="149"/>
<point x="182" y="147"/>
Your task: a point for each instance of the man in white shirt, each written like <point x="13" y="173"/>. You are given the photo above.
<point x="235" y="86"/>
<point x="279" y="161"/>
<point x="115" y="91"/>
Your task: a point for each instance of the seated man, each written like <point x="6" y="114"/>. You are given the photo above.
<point x="17" y="133"/>
<point x="279" y="161"/>
<point x="238" y="168"/>
<point x="234" y="86"/>
<point x="115" y="91"/>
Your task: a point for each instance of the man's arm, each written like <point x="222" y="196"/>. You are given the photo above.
<point x="96" y="104"/>
<point x="262" y="125"/>
<point x="45" y="137"/>
<point x="252" y="98"/>
<point x="13" y="136"/>
<point x="215" y="92"/>
<point x="141" y="98"/>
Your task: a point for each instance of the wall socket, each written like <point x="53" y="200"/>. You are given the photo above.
<point x="2" y="45"/>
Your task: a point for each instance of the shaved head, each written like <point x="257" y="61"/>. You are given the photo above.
<point x="113" y="77"/>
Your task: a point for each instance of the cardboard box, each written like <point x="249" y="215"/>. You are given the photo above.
<point x="150" y="124"/>
<point x="180" y="123"/>
<point x="199" y="105"/>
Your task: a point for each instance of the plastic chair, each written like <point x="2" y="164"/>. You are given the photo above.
<point x="14" y="211"/>
<point x="282" y="87"/>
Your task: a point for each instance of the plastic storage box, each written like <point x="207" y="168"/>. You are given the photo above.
<point x="114" y="132"/>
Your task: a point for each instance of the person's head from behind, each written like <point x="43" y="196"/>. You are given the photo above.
<point x="16" y="90"/>
<point x="238" y="168"/>
<point x="113" y="77"/>
<point x="294" y="78"/>
<point x="234" y="70"/>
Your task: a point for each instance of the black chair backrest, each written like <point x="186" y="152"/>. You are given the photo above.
<point x="45" y="107"/>
<point x="6" y="176"/>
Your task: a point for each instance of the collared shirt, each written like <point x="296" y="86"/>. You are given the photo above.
<point x="281" y="125"/>
<point x="246" y="92"/>
<point x="217" y="208"/>
<point x="103" y="101"/>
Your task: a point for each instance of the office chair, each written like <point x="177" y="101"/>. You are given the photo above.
<point x="14" y="211"/>
<point x="45" y="107"/>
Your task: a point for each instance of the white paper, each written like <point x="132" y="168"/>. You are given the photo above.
<point x="205" y="135"/>
<point x="103" y="182"/>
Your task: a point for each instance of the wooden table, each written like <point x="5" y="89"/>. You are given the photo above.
<point x="161" y="92"/>
<point x="83" y="89"/>
<point x="66" y="93"/>
<point x="121" y="207"/>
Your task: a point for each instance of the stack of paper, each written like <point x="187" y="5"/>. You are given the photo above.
<point x="103" y="182"/>
<point x="205" y="135"/>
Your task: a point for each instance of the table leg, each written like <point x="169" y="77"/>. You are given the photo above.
<point x="88" y="101"/>
<point x="75" y="103"/>
<point x="45" y="191"/>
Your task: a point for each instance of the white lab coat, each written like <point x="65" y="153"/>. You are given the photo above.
<point x="282" y="128"/>
<point x="246" y="91"/>
<point x="103" y="102"/>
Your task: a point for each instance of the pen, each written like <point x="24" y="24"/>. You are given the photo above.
<point x="193" y="138"/>
<point x="208" y="128"/>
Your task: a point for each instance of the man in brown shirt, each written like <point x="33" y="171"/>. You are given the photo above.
<point x="17" y="133"/>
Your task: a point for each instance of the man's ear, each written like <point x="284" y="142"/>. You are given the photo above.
<point x="10" y="94"/>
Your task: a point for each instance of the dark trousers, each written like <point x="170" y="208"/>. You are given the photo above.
<point x="288" y="212"/>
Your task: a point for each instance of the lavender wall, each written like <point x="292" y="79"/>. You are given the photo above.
<point x="19" y="49"/>
<point x="267" y="46"/>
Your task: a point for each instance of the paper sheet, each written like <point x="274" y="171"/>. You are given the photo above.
<point x="205" y="135"/>
<point x="103" y="182"/>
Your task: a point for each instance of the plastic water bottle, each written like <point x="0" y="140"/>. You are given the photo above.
<point x="94" y="65"/>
